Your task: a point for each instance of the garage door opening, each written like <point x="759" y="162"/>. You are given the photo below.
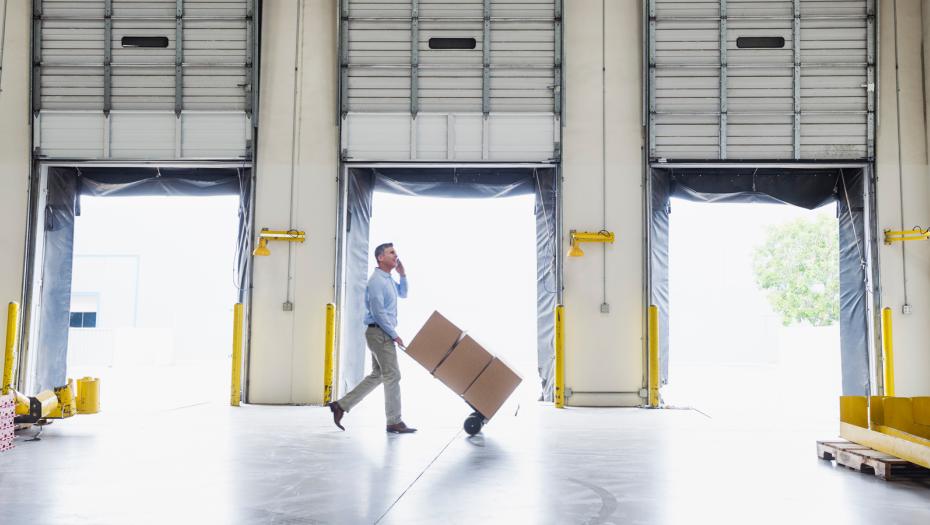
<point x="754" y="296"/>
<point x="459" y="264"/>
<point x="702" y="255"/>
<point x="133" y="275"/>
<point x="479" y="246"/>
<point x="151" y="301"/>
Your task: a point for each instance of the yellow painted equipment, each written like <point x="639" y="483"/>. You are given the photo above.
<point x="88" y="395"/>
<point x="559" y="356"/>
<point x="894" y="425"/>
<point x="67" y="402"/>
<point x="22" y="404"/>
<point x="915" y="234"/>
<point x="330" y="350"/>
<point x="276" y="235"/>
<point x="235" y="394"/>
<point x="576" y="238"/>
<point x="888" y="354"/>
<point x="12" y="335"/>
<point x="43" y="404"/>
<point x="654" y="356"/>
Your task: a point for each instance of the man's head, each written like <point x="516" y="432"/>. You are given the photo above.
<point x="386" y="256"/>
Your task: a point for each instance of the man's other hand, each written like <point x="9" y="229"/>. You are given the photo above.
<point x="400" y="342"/>
<point x="400" y="268"/>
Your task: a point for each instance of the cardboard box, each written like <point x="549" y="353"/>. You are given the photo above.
<point x="431" y="344"/>
<point x="461" y="367"/>
<point x="492" y="388"/>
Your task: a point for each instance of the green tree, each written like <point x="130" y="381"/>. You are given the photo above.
<point x="798" y="265"/>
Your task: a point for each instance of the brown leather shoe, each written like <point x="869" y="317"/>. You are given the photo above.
<point x="400" y="428"/>
<point x="338" y="412"/>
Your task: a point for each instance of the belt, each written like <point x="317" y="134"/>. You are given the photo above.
<point x="373" y="325"/>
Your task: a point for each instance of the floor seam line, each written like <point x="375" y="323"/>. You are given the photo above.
<point x="412" y="483"/>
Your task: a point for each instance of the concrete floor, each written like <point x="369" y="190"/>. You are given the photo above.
<point x="209" y="463"/>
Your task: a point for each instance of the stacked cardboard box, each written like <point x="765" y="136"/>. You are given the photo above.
<point x="483" y="380"/>
<point x="7" y="414"/>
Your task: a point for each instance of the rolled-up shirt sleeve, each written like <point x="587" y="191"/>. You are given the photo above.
<point x="402" y="287"/>
<point x="376" y="305"/>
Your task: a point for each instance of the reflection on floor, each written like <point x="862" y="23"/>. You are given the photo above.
<point x="263" y="464"/>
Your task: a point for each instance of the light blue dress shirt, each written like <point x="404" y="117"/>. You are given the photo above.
<point x="381" y="300"/>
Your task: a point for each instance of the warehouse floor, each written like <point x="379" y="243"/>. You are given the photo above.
<point x="210" y="463"/>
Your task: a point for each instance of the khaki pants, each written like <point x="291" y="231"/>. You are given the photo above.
<point x="384" y="369"/>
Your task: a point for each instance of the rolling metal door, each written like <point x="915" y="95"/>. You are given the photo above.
<point x="741" y="79"/>
<point x="491" y="92"/>
<point x="112" y="82"/>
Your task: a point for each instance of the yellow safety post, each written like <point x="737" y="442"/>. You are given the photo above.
<point x="888" y="354"/>
<point x="559" y="356"/>
<point x="654" y="356"/>
<point x="12" y="333"/>
<point x="330" y="349"/>
<point x="236" y="389"/>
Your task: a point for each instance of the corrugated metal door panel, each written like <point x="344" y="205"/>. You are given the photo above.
<point x="143" y="78"/>
<point x="216" y="8"/>
<point x="833" y="8"/>
<point x="144" y="8"/>
<point x="452" y="80"/>
<point x="527" y="9"/>
<point x="761" y="80"/>
<point x="72" y="56"/>
<point x="451" y="9"/>
<point x="835" y="104"/>
<point x="527" y="44"/>
<point x="379" y="89"/>
<point x="379" y="9"/>
<point x="73" y="8"/>
<point x="449" y="89"/>
<point x="687" y="98"/>
<point x="215" y="77"/>
<point x="686" y="9"/>
<point x="215" y="54"/>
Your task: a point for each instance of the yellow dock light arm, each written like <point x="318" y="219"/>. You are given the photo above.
<point x="578" y="237"/>
<point x="915" y="234"/>
<point x="276" y="235"/>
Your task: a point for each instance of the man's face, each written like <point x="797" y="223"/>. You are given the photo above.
<point x="388" y="259"/>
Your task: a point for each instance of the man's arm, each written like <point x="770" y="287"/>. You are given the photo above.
<point x="402" y="287"/>
<point x="376" y="293"/>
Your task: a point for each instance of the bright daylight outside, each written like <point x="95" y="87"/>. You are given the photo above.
<point x="754" y="328"/>
<point x="152" y="297"/>
<point x="474" y="261"/>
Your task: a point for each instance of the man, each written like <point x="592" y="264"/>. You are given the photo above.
<point x="381" y="317"/>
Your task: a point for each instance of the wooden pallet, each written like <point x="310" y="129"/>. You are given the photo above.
<point x="870" y="461"/>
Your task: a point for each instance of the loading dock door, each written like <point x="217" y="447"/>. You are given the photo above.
<point x="807" y="188"/>
<point x="161" y="80"/>
<point x="435" y="80"/>
<point x="783" y="80"/>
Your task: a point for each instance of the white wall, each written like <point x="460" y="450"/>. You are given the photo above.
<point x="911" y="332"/>
<point x="15" y="137"/>
<point x="604" y="352"/>
<point x="286" y="364"/>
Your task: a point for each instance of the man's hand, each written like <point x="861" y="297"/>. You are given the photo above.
<point x="400" y="342"/>
<point x="400" y="269"/>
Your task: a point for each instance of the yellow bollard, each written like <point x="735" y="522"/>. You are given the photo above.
<point x="88" y="395"/>
<point x="12" y="334"/>
<point x="888" y="354"/>
<point x="236" y="388"/>
<point x="330" y="349"/>
<point x="559" y="356"/>
<point x="654" y="356"/>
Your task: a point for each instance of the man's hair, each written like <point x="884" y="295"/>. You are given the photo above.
<point x="379" y="251"/>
